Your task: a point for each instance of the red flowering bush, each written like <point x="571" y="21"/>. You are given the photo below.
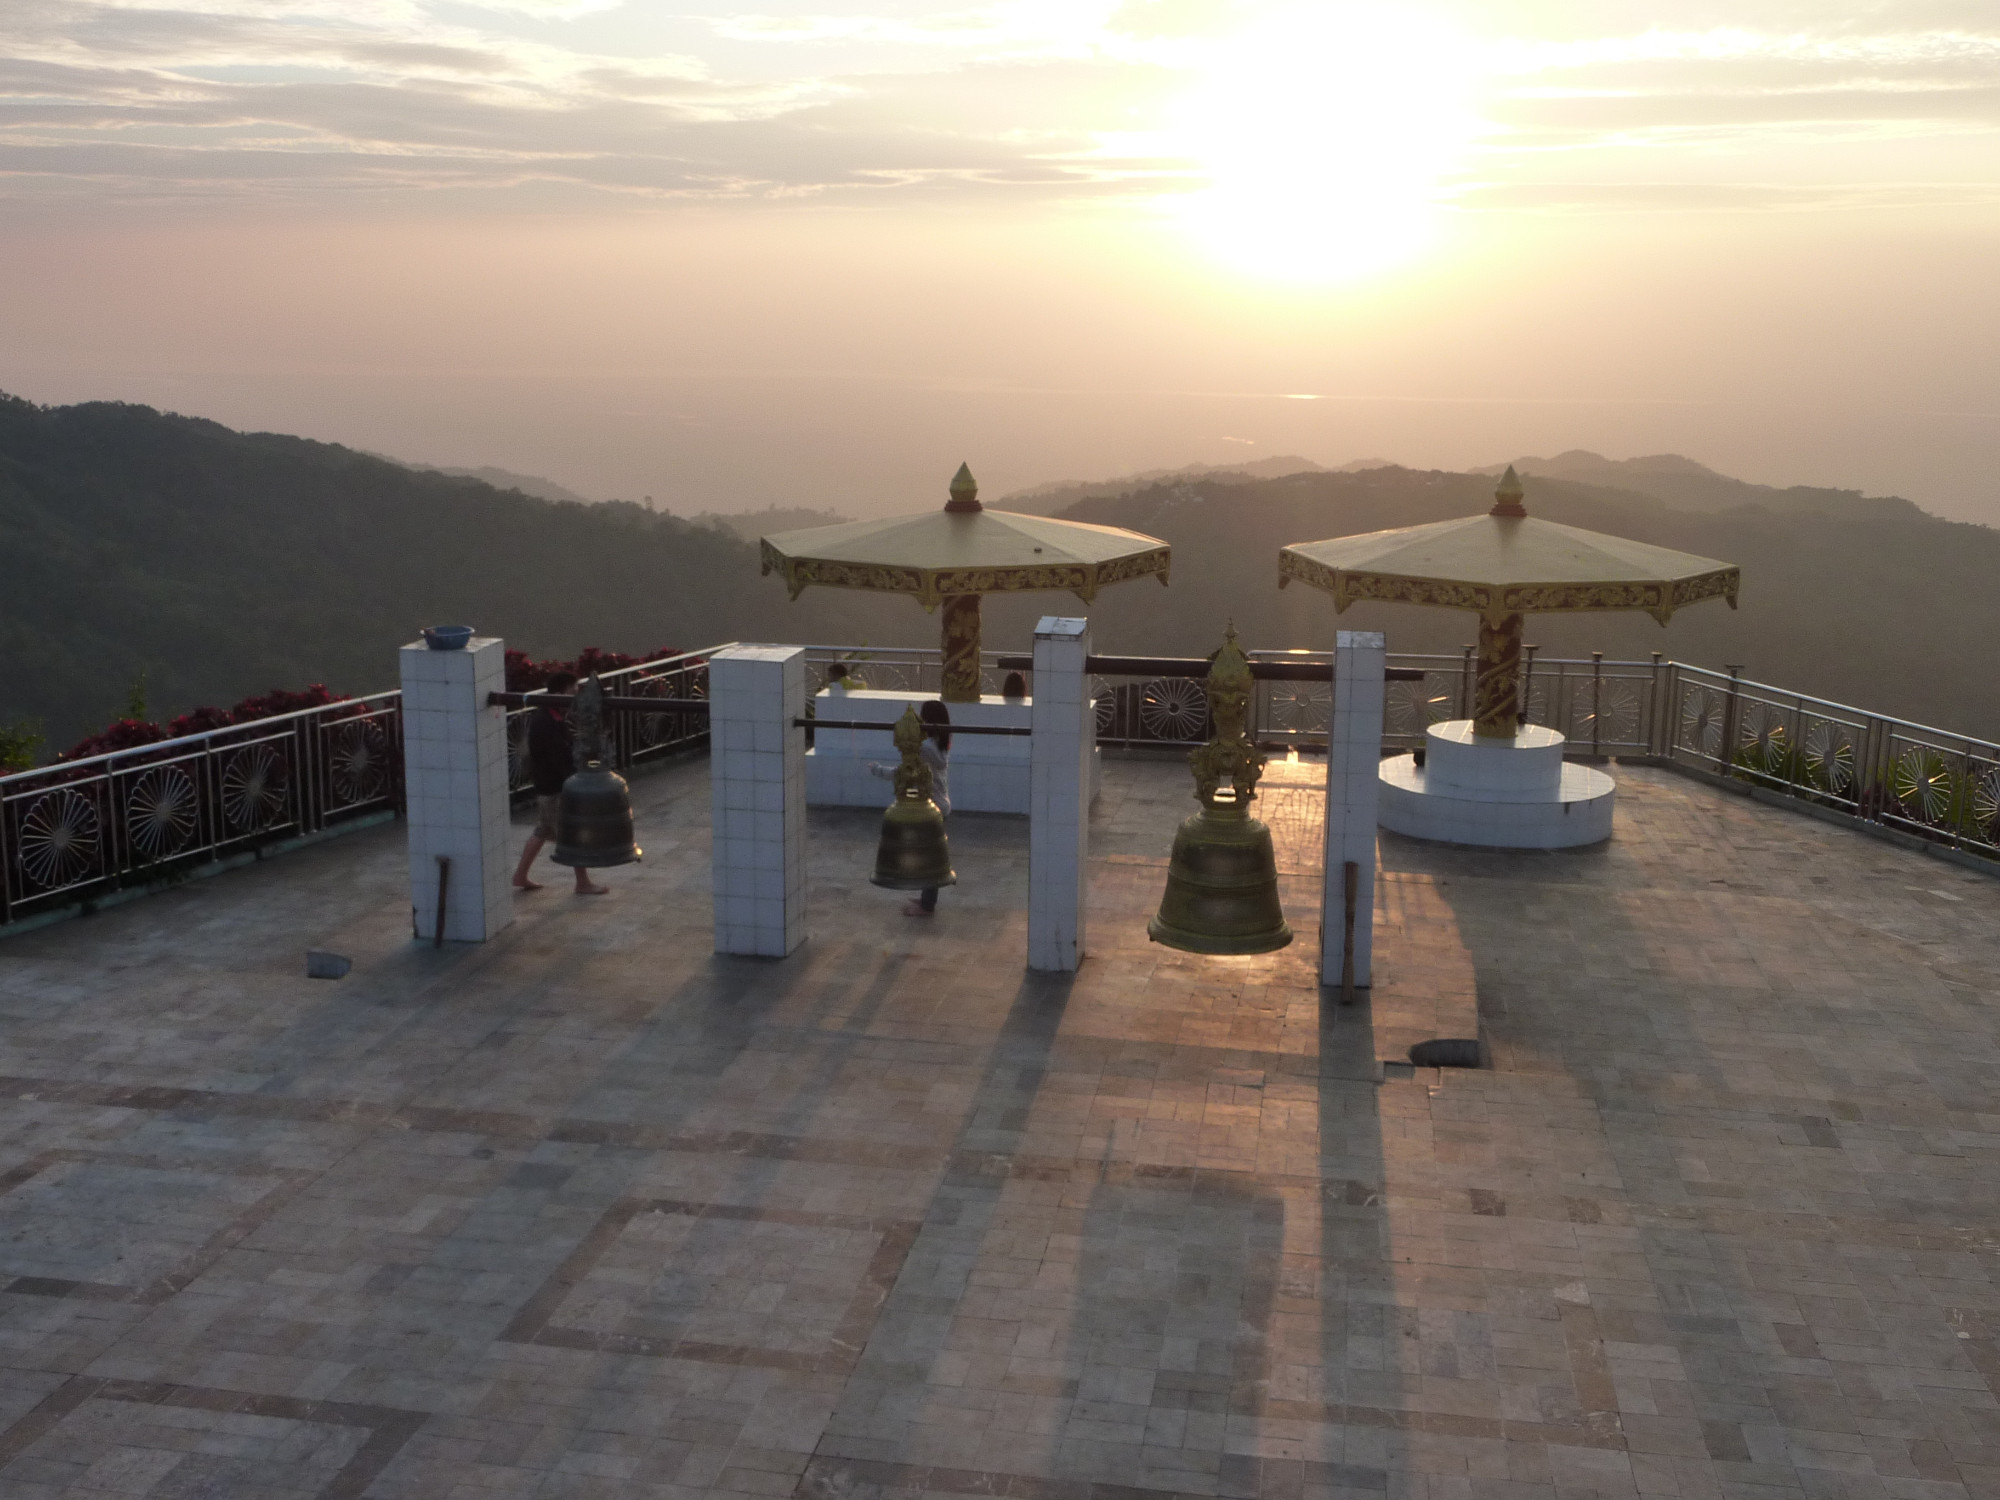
<point x="200" y="721"/>
<point x="124" y="734"/>
<point x="525" y="674"/>
<point x="130" y="734"/>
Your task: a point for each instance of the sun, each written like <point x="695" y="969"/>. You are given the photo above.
<point x="1327" y="134"/>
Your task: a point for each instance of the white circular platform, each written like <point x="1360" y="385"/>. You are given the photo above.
<point x="1498" y="794"/>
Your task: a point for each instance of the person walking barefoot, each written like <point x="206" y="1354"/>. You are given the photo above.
<point x="550" y="762"/>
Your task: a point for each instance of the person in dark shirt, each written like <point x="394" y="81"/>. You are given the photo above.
<point x="550" y="761"/>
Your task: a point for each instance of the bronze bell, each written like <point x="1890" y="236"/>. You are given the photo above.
<point x="1222" y="881"/>
<point x="594" y="818"/>
<point x="913" y="853"/>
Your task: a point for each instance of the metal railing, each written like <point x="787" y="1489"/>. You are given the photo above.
<point x="1601" y="707"/>
<point x="635" y="738"/>
<point x="74" y="831"/>
<point x="1940" y="786"/>
<point x="79" y="829"/>
<point x="1133" y="711"/>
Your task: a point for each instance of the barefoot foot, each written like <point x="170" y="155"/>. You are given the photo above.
<point x="918" y="909"/>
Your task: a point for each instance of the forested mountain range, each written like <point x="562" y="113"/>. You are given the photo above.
<point x="221" y="564"/>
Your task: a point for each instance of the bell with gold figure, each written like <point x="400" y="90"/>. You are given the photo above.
<point x="1222" y="882"/>
<point x="594" y="817"/>
<point x="913" y="853"/>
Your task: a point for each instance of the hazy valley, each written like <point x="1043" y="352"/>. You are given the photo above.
<point x="218" y="563"/>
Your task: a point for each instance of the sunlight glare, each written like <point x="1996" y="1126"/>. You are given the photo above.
<point x="1327" y="134"/>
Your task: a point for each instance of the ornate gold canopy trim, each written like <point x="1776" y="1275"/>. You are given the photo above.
<point x="930" y="585"/>
<point x="1659" y="599"/>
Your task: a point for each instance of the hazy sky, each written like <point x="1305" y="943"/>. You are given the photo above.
<point x="819" y="253"/>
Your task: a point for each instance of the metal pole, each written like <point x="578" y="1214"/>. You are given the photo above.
<point x="1351" y="879"/>
<point x="1465" y="683"/>
<point x="1527" y="679"/>
<point x="6" y="866"/>
<point x="1597" y="705"/>
<point x="1731" y="710"/>
<point x="1653" y="711"/>
<point x="444" y="880"/>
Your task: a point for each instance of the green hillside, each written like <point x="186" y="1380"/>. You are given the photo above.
<point x="221" y="564"/>
<point x="1869" y="602"/>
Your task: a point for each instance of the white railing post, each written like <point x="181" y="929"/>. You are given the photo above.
<point x="757" y="789"/>
<point x="455" y="788"/>
<point x="1353" y="766"/>
<point x="1059" y="765"/>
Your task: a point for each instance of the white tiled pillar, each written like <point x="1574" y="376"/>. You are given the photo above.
<point x="757" y="788"/>
<point x="1059" y="766"/>
<point x="1353" y="761"/>
<point x="455" y="787"/>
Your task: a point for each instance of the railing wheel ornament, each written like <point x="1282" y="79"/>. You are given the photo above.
<point x="253" y="788"/>
<point x="1174" y="708"/>
<point x="1922" y="783"/>
<point x="1829" y="757"/>
<point x="1301" y="707"/>
<point x="1986" y="805"/>
<point x="162" y="812"/>
<point x="358" y="764"/>
<point x="1702" y="713"/>
<point x="59" y="839"/>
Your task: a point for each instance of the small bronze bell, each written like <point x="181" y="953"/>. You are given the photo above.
<point x="594" y="818"/>
<point x="913" y="853"/>
<point x="1222" y="881"/>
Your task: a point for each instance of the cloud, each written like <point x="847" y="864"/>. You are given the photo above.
<point x="1034" y="98"/>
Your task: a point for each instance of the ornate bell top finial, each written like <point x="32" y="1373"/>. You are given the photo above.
<point x="586" y="721"/>
<point x="1507" y="497"/>
<point x="1229" y="668"/>
<point x="913" y="777"/>
<point x="1229" y="756"/>
<point x="964" y="492"/>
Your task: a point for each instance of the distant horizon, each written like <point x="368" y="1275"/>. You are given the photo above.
<point x="816" y="254"/>
<point x="575" y="488"/>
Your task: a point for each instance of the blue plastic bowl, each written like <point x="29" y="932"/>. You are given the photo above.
<point x="447" y="637"/>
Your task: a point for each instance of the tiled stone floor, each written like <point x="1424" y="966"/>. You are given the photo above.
<point x="589" y="1212"/>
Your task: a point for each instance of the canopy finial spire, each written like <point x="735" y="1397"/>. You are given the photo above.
<point x="1507" y="498"/>
<point x="964" y="491"/>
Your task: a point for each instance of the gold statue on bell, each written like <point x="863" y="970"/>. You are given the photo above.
<point x="1222" y="882"/>
<point x="913" y="853"/>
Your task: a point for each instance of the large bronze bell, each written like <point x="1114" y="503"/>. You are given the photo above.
<point x="594" y="818"/>
<point x="913" y="853"/>
<point x="1222" y="881"/>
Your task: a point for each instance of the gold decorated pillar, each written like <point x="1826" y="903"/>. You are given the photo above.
<point x="1496" y="693"/>
<point x="961" y="649"/>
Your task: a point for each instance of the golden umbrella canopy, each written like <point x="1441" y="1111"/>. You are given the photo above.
<point x="953" y="556"/>
<point x="1503" y="565"/>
